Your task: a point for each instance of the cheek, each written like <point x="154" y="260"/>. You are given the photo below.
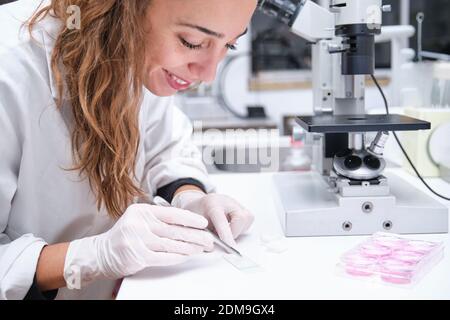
<point x="161" y="57"/>
<point x="166" y="56"/>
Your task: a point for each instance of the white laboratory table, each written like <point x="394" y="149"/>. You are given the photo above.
<point x="307" y="270"/>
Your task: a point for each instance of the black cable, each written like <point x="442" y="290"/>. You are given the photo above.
<point x="401" y="146"/>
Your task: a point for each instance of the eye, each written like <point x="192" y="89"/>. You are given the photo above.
<point x="190" y="45"/>
<point x="231" y="46"/>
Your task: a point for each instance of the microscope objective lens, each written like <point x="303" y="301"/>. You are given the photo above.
<point x="372" y="162"/>
<point x="353" y="162"/>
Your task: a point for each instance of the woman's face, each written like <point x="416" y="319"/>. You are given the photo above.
<point x="186" y="39"/>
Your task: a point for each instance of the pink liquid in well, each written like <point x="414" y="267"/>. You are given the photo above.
<point x="397" y="272"/>
<point x="396" y="280"/>
<point x="357" y="271"/>
<point x="374" y="250"/>
<point x="409" y="257"/>
<point x="420" y="247"/>
<point x="392" y="243"/>
<point x="358" y="265"/>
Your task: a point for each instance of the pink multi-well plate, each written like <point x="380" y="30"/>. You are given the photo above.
<point x="391" y="259"/>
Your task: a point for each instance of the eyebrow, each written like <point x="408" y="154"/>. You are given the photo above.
<point x="208" y="31"/>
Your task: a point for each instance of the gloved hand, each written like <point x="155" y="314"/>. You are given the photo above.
<point x="225" y="215"/>
<point x="144" y="236"/>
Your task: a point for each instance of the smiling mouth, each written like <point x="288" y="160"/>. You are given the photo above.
<point x="179" y="81"/>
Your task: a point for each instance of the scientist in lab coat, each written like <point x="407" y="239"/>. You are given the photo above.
<point x="89" y="135"/>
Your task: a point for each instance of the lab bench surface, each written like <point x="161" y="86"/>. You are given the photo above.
<point x="306" y="270"/>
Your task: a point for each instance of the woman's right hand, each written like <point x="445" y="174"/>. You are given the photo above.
<point x="144" y="236"/>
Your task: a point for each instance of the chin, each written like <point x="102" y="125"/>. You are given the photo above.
<point x="157" y="90"/>
<point x="156" y="84"/>
<point x="160" y="93"/>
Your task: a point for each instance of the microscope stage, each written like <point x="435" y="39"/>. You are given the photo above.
<point x="328" y="123"/>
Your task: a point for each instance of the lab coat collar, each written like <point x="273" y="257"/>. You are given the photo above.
<point x="50" y="33"/>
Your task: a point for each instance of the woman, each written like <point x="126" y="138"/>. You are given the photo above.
<point x="90" y="136"/>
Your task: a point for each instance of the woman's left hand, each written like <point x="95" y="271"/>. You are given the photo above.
<point x="225" y="215"/>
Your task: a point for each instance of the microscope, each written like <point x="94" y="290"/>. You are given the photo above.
<point x="349" y="192"/>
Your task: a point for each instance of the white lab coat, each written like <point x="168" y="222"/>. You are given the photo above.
<point x="41" y="202"/>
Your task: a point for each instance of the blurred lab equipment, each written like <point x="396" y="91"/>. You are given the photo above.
<point x="350" y="193"/>
<point x="298" y="159"/>
<point x="417" y="144"/>
<point x="398" y="37"/>
<point x="440" y="92"/>
<point x="425" y="94"/>
<point x="439" y="149"/>
<point x="208" y="105"/>
<point x="200" y="103"/>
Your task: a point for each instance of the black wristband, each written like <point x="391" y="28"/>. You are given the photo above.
<point x="168" y="191"/>
<point x="36" y="294"/>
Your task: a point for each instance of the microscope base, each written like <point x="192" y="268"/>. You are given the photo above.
<point x="307" y="208"/>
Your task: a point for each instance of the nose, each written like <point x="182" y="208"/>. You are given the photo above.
<point x="205" y="69"/>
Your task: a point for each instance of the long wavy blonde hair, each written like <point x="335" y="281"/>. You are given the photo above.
<point x="100" y="65"/>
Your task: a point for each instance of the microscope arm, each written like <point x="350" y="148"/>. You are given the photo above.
<point x="305" y="18"/>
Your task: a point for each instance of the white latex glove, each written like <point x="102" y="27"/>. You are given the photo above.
<point x="225" y="215"/>
<point x="144" y="236"/>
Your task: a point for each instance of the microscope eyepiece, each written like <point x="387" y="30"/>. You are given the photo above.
<point x="285" y="11"/>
